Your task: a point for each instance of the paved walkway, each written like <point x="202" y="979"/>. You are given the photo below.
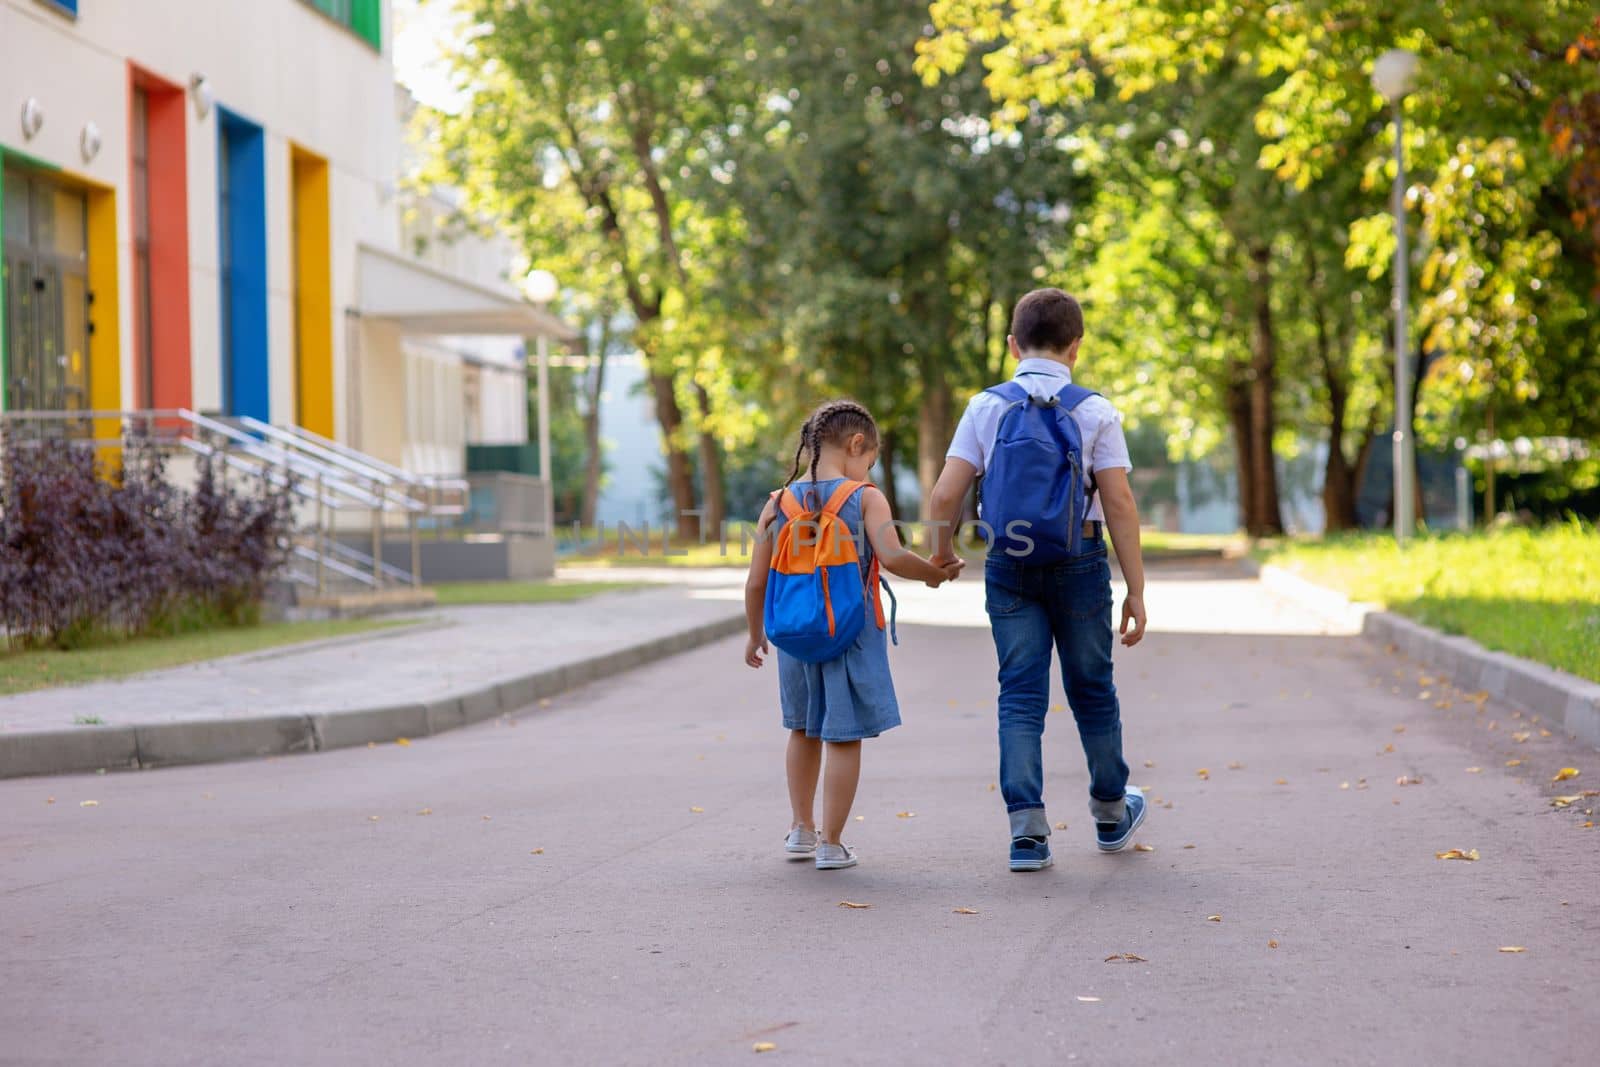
<point x="451" y="649"/>
<point x="602" y="883"/>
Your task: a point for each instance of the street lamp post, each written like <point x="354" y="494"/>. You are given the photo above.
<point x="542" y="289"/>
<point x="1394" y="75"/>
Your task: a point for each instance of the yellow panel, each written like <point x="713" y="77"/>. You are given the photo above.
<point x="313" y="295"/>
<point x="105" y="349"/>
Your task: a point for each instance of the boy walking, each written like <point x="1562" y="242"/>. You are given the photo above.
<point x="1055" y="467"/>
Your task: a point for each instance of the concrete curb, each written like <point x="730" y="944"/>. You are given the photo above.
<point x="91" y="748"/>
<point x="1555" y="696"/>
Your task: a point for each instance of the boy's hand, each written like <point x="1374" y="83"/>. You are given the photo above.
<point x="1132" y="612"/>
<point x="952" y="567"/>
<point x="753" y="651"/>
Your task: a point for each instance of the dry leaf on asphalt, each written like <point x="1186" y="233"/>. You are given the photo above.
<point x="1149" y="763"/>
<point x="1562" y="802"/>
<point x="1521" y="736"/>
<point x="1125" y="957"/>
<point x="991" y="787"/>
<point x="861" y="818"/>
<point x="487" y="818"/>
<point x="1282" y="781"/>
<point x="49" y="800"/>
<point x="1406" y="779"/>
<point x="1400" y="729"/>
<point x="404" y="741"/>
<point x="425" y="811"/>
<point x="966" y="911"/>
<point x="1272" y="944"/>
<point x="1142" y="847"/>
<point x="536" y="852"/>
<point x="1469" y="855"/>
<point x="88" y="803"/>
<point x="1213" y="918"/>
<point x="1088" y="1000"/>
<point x="852" y="904"/>
<point x="1474" y="770"/>
<point x="1061" y="826"/>
<point x="1203" y="772"/>
<point x="905" y="815"/>
<point x="1235" y="765"/>
<point x="763" y="1046"/>
<point x="1513" y="763"/>
<point x="1344" y="785"/>
<point x="1387" y="748"/>
<point x="1188" y="846"/>
<point x="1566" y="772"/>
<point x="1512" y="948"/>
<point x="696" y="811"/>
<point x="372" y="818"/>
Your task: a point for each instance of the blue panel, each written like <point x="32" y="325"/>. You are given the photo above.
<point x="242" y="210"/>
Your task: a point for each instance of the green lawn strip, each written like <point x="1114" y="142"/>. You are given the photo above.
<point x="556" y="592"/>
<point x="24" y="671"/>
<point x="1532" y="593"/>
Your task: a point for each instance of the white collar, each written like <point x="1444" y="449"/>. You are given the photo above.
<point x="1039" y="365"/>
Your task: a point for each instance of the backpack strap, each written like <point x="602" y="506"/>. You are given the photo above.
<point x="1072" y="395"/>
<point x="790" y="504"/>
<point x="840" y="496"/>
<point x="1011" y="392"/>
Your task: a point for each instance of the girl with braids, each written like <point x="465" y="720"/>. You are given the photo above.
<point x="834" y="705"/>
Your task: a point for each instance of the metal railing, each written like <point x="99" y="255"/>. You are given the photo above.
<point x="330" y="478"/>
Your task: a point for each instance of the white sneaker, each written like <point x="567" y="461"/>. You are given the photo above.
<point x="834" y="857"/>
<point x="800" y="844"/>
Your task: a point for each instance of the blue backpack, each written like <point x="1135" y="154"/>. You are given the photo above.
<point x="1036" y="493"/>
<point x="817" y="598"/>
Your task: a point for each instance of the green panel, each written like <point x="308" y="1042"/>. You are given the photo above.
<point x="514" y="459"/>
<point x="366" y="19"/>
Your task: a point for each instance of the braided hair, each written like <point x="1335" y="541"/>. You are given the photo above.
<point x="835" y="422"/>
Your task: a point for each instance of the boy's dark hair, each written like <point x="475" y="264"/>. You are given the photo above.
<point x="1046" y="320"/>
<point x="832" y="423"/>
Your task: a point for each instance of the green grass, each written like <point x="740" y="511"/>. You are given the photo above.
<point x="24" y="671"/>
<point x="1533" y="593"/>
<point x="555" y="592"/>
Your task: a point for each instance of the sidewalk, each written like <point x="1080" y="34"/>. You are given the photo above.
<point x="455" y="666"/>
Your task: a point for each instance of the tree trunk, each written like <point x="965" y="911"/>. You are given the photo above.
<point x="933" y="429"/>
<point x="680" y="479"/>
<point x="1243" y="442"/>
<point x="713" y="492"/>
<point x="591" y="431"/>
<point x="1489" y="502"/>
<point x="1264" y="354"/>
<point x="886" y="453"/>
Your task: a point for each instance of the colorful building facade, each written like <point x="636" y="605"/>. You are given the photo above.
<point x="202" y="210"/>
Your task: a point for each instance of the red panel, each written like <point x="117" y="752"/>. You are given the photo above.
<point x="169" y="242"/>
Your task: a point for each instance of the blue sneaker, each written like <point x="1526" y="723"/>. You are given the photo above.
<point x="1114" y="836"/>
<point x="1030" y="854"/>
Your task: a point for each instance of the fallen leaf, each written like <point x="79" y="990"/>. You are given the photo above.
<point x="1361" y="783"/>
<point x="486" y="818"/>
<point x="88" y="803"/>
<point x="1272" y="944"/>
<point x="1235" y="765"/>
<point x="905" y="815"/>
<point x="1406" y="779"/>
<point x="1142" y="847"/>
<point x="1480" y="697"/>
<point x="991" y="787"/>
<point x="1513" y="763"/>
<point x="1125" y="957"/>
<point x="1388" y="748"/>
<point x="1470" y="854"/>
<point x="1344" y="785"/>
<point x="544" y="702"/>
<point x="763" y="1046"/>
<point x="1282" y="781"/>
<point x="1188" y="846"/>
<point x="696" y="811"/>
<point x="1058" y="707"/>
<point x="372" y="818"/>
<point x="1521" y="736"/>
<point x="1562" y="802"/>
<point x="1566" y="772"/>
<point x="1589" y="825"/>
<point x="1474" y="770"/>
<point x="1089" y="1000"/>
<point x="1149" y="763"/>
<point x="1425" y="679"/>
<point x="49" y="800"/>
<point x="1213" y="918"/>
<point x="852" y="904"/>
<point x="861" y="818"/>
<point x="1400" y="729"/>
<point x="536" y="852"/>
<point x="1512" y="948"/>
<point x="1061" y="826"/>
<point x="425" y="811"/>
<point x="372" y="744"/>
<point x="1425" y="695"/>
<point x="403" y="741"/>
<point x="1544" y="733"/>
<point x="1203" y="772"/>
<point x="1494" y="724"/>
<point x="1167" y="805"/>
<point x="966" y="911"/>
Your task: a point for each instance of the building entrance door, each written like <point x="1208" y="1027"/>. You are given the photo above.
<point x="46" y="293"/>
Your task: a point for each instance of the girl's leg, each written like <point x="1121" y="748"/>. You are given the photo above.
<point x="839" y="787"/>
<point x="803" y="763"/>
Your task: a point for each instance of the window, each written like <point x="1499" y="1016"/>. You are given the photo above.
<point x="362" y="17"/>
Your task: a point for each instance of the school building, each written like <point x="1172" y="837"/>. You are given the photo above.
<point x="203" y="210"/>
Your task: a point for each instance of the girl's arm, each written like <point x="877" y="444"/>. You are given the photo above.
<point x="755" y="584"/>
<point x="892" y="555"/>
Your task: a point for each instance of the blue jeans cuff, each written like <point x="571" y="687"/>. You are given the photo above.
<point x="1029" y="822"/>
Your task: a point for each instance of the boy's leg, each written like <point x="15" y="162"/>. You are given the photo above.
<point x="1081" y="613"/>
<point x="803" y="762"/>
<point x="1021" y="628"/>
<point x="839" y="782"/>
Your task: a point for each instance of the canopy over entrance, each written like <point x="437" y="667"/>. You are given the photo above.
<point x="420" y="300"/>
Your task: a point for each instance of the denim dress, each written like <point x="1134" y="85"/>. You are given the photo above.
<point x="848" y="698"/>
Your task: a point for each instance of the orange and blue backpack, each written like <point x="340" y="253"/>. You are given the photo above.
<point x="817" y="599"/>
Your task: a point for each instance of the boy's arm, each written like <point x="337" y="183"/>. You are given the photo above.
<point x="944" y="506"/>
<point x="755" y="585"/>
<point x="892" y="555"/>
<point x="1122" y="519"/>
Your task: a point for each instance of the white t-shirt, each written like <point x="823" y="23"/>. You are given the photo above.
<point x="1099" y="423"/>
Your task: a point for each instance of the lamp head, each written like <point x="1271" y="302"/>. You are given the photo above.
<point x="541" y="286"/>
<point x="1394" y="74"/>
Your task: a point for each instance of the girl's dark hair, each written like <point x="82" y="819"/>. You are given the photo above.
<point x="835" y="422"/>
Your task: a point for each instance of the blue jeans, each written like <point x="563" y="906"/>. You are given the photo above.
<point x="1032" y="610"/>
